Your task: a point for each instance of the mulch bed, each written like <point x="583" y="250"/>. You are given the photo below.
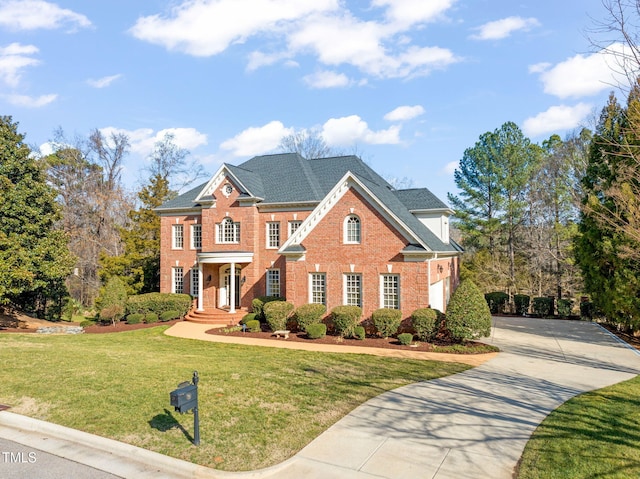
<point x="631" y="340"/>
<point x="368" y="342"/>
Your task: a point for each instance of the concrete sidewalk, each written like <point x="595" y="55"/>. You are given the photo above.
<point x="470" y="425"/>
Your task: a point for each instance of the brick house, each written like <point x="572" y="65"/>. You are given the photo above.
<point x="328" y="230"/>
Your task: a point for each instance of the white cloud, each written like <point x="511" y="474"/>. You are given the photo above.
<point x="29" y="101"/>
<point x="556" y="118"/>
<point x="403" y="113"/>
<point x="35" y="14"/>
<point x="323" y="28"/>
<point x="208" y="27"/>
<point x="450" y="168"/>
<point x="14" y="58"/>
<point x="143" y="140"/>
<point x="504" y="27"/>
<point x="583" y="75"/>
<point x="326" y="79"/>
<point x="104" y="81"/>
<point x="257" y="140"/>
<point x="350" y="130"/>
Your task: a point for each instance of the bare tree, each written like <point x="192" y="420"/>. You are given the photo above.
<point x="169" y="162"/>
<point x="308" y="144"/>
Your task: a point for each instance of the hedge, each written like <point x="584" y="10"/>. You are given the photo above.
<point x="387" y="321"/>
<point x="135" y="318"/>
<point x="564" y="307"/>
<point x="151" y="318"/>
<point x="522" y="302"/>
<point x="158" y="303"/>
<point x="307" y="314"/>
<point x="543" y="307"/>
<point x="426" y="323"/>
<point x="496" y="301"/>
<point x="169" y="315"/>
<point x="257" y="305"/>
<point x="276" y="314"/>
<point x="345" y="319"/>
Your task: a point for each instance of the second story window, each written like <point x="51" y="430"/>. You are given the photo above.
<point x="293" y="226"/>
<point x="228" y="231"/>
<point x="273" y="234"/>
<point x="352" y="229"/>
<point x="196" y="236"/>
<point x="177" y="241"/>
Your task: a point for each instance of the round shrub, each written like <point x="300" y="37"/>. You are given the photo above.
<point x="359" y="332"/>
<point x="316" y="331"/>
<point x="258" y="305"/>
<point x="248" y="317"/>
<point x="387" y="321"/>
<point x="253" y="325"/>
<point x="151" y="318"/>
<point x="345" y="319"/>
<point x="405" y="338"/>
<point x="307" y="314"/>
<point x="468" y="316"/>
<point x="276" y="314"/>
<point x="522" y="302"/>
<point x="426" y="323"/>
<point x="169" y="315"/>
<point x="86" y="323"/>
<point x="135" y="318"/>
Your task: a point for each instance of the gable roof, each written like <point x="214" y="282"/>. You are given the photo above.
<point x="289" y="178"/>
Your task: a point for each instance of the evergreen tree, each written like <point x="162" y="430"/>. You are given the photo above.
<point x="34" y="257"/>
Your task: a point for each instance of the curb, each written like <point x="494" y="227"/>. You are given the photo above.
<point x="108" y="455"/>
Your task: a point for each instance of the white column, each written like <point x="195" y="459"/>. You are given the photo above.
<point x="200" y="287"/>
<point x="232" y="289"/>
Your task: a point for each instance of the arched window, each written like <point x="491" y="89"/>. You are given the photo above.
<point x="352" y="229"/>
<point x="228" y="231"/>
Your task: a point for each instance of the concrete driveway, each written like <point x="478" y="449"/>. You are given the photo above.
<point x="470" y="425"/>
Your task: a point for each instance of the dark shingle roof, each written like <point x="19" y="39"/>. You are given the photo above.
<point x="289" y="178"/>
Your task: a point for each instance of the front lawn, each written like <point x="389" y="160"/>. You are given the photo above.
<point x="258" y="406"/>
<point x="594" y="435"/>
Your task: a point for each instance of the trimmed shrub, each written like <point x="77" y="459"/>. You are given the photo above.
<point x="497" y="301"/>
<point x="564" y="307"/>
<point x="257" y="305"/>
<point x="426" y="323"/>
<point x="169" y="315"/>
<point x="113" y="314"/>
<point x="543" y="307"/>
<point x="316" y="331"/>
<point x="276" y="314"/>
<point x="387" y="321"/>
<point x="468" y="315"/>
<point x="359" y="333"/>
<point x="253" y="325"/>
<point x="86" y="323"/>
<point x="307" y="314"/>
<point x="405" y="338"/>
<point x="345" y="319"/>
<point x="248" y="317"/>
<point x="151" y="318"/>
<point x="158" y="303"/>
<point x="522" y="302"/>
<point x="135" y="318"/>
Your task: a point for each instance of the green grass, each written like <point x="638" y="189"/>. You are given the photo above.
<point x="258" y="406"/>
<point x="594" y="435"/>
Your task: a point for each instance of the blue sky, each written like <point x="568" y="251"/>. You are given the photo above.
<point x="408" y="84"/>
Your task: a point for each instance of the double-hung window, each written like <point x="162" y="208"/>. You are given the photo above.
<point x="293" y="226"/>
<point x="196" y="236"/>
<point x="177" y="236"/>
<point x="273" y="282"/>
<point x="273" y="234"/>
<point x="177" y="285"/>
<point x="390" y="291"/>
<point x="195" y="281"/>
<point x="228" y="231"/>
<point x="318" y="288"/>
<point x="353" y="290"/>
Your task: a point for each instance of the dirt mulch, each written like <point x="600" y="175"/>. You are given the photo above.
<point x="123" y="326"/>
<point x="368" y="342"/>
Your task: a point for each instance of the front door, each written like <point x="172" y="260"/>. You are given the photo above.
<point x="225" y="290"/>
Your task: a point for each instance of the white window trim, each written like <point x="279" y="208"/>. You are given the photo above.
<point x="276" y="225"/>
<point x="174" y="231"/>
<point x="193" y="286"/>
<point x="193" y="228"/>
<point x="345" y="292"/>
<point x="174" y="278"/>
<point x="311" y="301"/>
<point x="345" y="230"/>
<point x="290" y="229"/>
<point x="220" y="236"/>
<point x="268" y="291"/>
<point x="398" y="293"/>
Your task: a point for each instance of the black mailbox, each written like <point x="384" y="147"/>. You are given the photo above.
<point x="184" y="398"/>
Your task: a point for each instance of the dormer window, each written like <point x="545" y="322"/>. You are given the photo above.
<point x="228" y="231"/>
<point x="352" y="229"/>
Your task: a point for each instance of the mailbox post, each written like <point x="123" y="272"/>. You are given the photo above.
<point x="185" y="399"/>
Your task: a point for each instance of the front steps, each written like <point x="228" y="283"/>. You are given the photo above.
<point x="215" y="316"/>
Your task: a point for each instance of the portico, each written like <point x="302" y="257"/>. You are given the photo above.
<point x="229" y="279"/>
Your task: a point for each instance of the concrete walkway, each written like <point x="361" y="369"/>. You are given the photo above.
<point x="470" y="425"/>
